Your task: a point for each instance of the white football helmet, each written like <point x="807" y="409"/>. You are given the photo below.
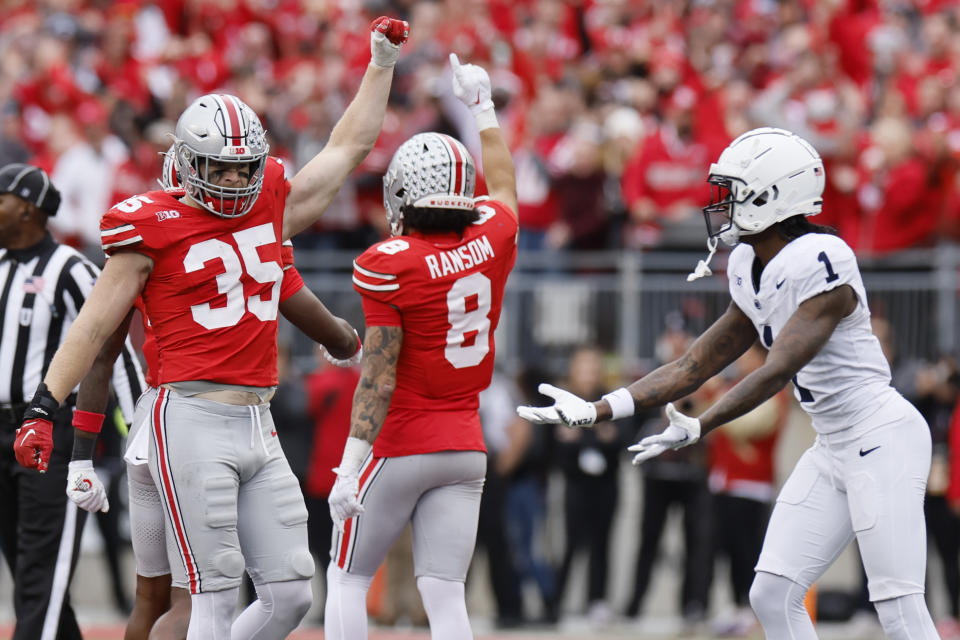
<point x="430" y="170"/>
<point x="766" y="175"/>
<point x="221" y="128"/>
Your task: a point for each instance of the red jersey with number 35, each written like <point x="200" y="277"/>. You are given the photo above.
<point x="446" y="292"/>
<point x="213" y="293"/>
<point x="292" y="282"/>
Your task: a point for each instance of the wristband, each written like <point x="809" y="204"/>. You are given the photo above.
<point x="43" y="405"/>
<point x="88" y="421"/>
<point x="621" y="403"/>
<point x="486" y="119"/>
<point x="83" y="446"/>
<point x="354" y="453"/>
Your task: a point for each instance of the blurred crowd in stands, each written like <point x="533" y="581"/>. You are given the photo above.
<point x="614" y="108"/>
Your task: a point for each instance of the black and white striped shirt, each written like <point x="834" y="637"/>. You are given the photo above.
<point x="41" y="291"/>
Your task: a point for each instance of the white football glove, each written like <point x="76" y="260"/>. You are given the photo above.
<point x="345" y="362"/>
<point x="85" y="488"/>
<point x="682" y="431"/>
<point x="471" y="85"/>
<point x="569" y="409"/>
<point x="343" y="498"/>
<point x="386" y="37"/>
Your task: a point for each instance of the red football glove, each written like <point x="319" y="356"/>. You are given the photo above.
<point x="387" y="34"/>
<point x="34" y="442"/>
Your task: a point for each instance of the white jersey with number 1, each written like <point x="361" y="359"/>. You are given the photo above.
<point x="849" y="378"/>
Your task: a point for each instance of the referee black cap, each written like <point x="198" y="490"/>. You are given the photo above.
<point x="31" y="184"/>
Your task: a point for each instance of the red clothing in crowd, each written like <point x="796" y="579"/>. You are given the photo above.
<point x="745" y="468"/>
<point x="330" y="391"/>
<point x="907" y="212"/>
<point x="667" y="170"/>
<point x="953" y="489"/>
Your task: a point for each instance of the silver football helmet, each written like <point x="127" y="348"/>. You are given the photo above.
<point x="220" y="128"/>
<point x="430" y="170"/>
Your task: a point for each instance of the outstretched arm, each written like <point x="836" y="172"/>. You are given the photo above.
<point x="804" y="335"/>
<point x="808" y="329"/>
<point x="725" y="341"/>
<point x="316" y="184"/>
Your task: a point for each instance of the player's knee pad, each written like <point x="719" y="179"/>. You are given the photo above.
<point x="302" y="563"/>
<point x="778" y="603"/>
<point x="229" y="564"/>
<point x="906" y="618"/>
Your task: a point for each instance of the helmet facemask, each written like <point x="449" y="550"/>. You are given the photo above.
<point x="228" y="202"/>
<point x="727" y="194"/>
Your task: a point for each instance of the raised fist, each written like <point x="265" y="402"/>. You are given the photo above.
<point x="386" y="37"/>
<point x="471" y="85"/>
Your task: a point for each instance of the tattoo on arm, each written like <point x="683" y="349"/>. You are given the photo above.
<point x="725" y="341"/>
<point x="381" y="351"/>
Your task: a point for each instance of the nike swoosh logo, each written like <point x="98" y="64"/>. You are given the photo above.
<point x="780" y="284"/>
<point x="863" y="453"/>
<point x="26" y="435"/>
<point x="138" y="458"/>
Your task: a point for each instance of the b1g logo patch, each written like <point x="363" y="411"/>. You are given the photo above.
<point x="167" y="214"/>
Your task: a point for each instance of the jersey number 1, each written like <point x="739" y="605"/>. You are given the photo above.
<point x="468" y="308"/>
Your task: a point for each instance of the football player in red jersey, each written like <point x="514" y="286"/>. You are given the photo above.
<point x="162" y="603"/>
<point x="431" y="300"/>
<point x="206" y="263"/>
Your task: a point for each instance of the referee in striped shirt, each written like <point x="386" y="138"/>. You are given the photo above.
<point x="42" y="287"/>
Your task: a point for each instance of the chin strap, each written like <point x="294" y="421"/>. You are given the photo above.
<point x="703" y="266"/>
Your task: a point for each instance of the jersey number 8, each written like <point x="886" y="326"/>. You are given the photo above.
<point x="468" y="307"/>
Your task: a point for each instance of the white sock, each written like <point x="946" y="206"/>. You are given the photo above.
<point x="906" y="618"/>
<point x="345" y="612"/>
<point x="278" y="609"/>
<point x="211" y="614"/>
<point x="446" y="608"/>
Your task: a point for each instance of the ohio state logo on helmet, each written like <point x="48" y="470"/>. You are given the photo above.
<point x="430" y="170"/>
<point x="220" y="129"/>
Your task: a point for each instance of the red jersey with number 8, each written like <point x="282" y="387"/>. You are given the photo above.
<point x="445" y="291"/>
<point x="213" y="293"/>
